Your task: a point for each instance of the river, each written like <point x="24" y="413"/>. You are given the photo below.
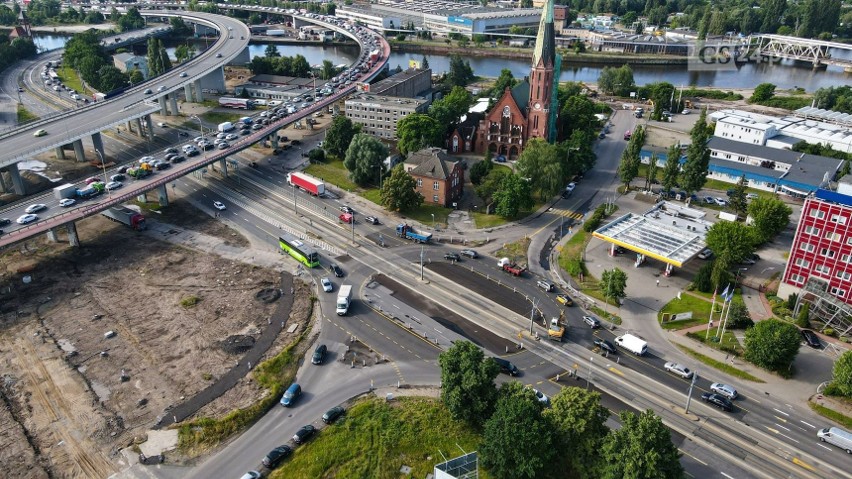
<point x="784" y="75"/>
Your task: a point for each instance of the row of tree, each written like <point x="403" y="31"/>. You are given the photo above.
<point x="523" y="438"/>
<point x="84" y="53"/>
<point x="275" y="64"/>
<point x="19" y="49"/>
<point x="158" y="59"/>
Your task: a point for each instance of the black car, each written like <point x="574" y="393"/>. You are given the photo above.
<point x="183" y="133"/>
<point x="171" y="150"/>
<point x="163" y="166"/>
<point x="319" y="354"/>
<point x="5" y="221"/>
<point x="337" y="271"/>
<point x="605" y="346"/>
<point x="296" y="142"/>
<point x="332" y="414"/>
<point x="506" y="367"/>
<point x="178" y="159"/>
<point x="275" y="456"/>
<point x="811" y="338"/>
<point x="452" y="257"/>
<point x="718" y="400"/>
<point x="302" y="435"/>
<point x="123" y="169"/>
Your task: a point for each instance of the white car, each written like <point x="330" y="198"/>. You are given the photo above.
<point x="232" y="137"/>
<point x="678" y="369"/>
<point x="570" y="187"/>
<point x="685" y="111"/>
<point x="219" y="205"/>
<point x="721" y="201"/>
<point x="24" y="219"/>
<point x="542" y="398"/>
<point x="35" y="208"/>
<point x="725" y="390"/>
<point x="114" y="185"/>
<point x="66" y="202"/>
<point x="326" y="285"/>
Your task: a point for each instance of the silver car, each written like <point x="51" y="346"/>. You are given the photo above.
<point x="724" y="390"/>
<point x="678" y="369"/>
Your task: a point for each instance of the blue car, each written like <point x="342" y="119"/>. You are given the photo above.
<point x="291" y="395"/>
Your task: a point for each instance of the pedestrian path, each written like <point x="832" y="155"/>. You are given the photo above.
<point x="576" y="215"/>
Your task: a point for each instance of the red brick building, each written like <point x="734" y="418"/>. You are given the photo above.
<point x="439" y="177"/>
<point x="524" y="111"/>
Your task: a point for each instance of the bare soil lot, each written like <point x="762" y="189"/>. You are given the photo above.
<point x="95" y="342"/>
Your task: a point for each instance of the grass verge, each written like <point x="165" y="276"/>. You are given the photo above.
<point x="482" y="220"/>
<point x="332" y="172"/>
<point x="220" y="117"/>
<point x="25" y="115"/>
<point x="699" y="307"/>
<point x="612" y="318"/>
<point x="728" y="343"/>
<point x="725" y="368"/>
<point x="423" y="215"/>
<point x="516" y="251"/>
<point x="70" y="79"/>
<point x="831" y="414"/>
<point x="376" y="438"/>
<point x="273" y="374"/>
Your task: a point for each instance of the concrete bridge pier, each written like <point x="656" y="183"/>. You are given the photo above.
<point x="98" y="143"/>
<point x="51" y="235"/>
<point x="73" y="240"/>
<point x="174" y="105"/>
<point x="199" y="97"/>
<point x="162" y="102"/>
<point x="163" y="195"/>
<point x="273" y="140"/>
<point x="224" y="164"/>
<point x="142" y="198"/>
<point x="138" y="122"/>
<point x="78" y="150"/>
<point x="17" y="182"/>
<point x="3" y="187"/>
<point x="129" y="126"/>
<point x="150" y="125"/>
<point x="60" y="152"/>
<point x="187" y="91"/>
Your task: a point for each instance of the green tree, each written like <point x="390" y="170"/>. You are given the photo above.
<point x="339" y="135"/>
<point x="526" y="4"/>
<point x="772" y="344"/>
<point x="179" y="27"/>
<point x="448" y="110"/>
<point x="697" y="165"/>
<point x="731" y="242"/>
<point x="417" y="131"/>
<point x="491" y="184"/>
<point x="704" y="26"/>
<point x="460" y="73"/>
<point x="769" y="217"/>
<point x="424" y="64"/>
<point x="842" y="374"/>
<point x="578" y="422"/>
<point x="543" y="165"/>
<point x="300" y="67"/>
<point x="703" y="280"/>
<point x="614" y="285"/>
<point x="364" y="157"/>
<point x="653" y="167"/>
<point x="480" y="170"/>
<point x="317" y="155"/>
<point x="737" y="199"/>
<point x="642" y="448"/>
<point x="803" y="319"/>
<point x="467" y="382"/>
<point x="772" y="12"/>
<point x="762" y="93"/>
<point x="110" y="78"/>
<point x="513" y="196"/>
<point x="616" y="81"/>
<point x="271" y="51"/>
<point x="398" y="192"/>
<point x="671" y="170"/>
<point x="136" y="77"/>
<point x="131" y="21"/>
<point x="516" y="441"/>
<point x="328" y="70"/>
<point x="578" y="113"/>
<point x="164" y="58"/>
<point x="184" y="52"/>
<point x="155" y="61"/>
<point x="505" y="80"/>
<point x="738" y="316"/>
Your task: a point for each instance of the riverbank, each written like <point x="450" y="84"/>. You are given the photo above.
<point x="263" y="39"/>
<point x="72" y="29"/>
<point x="568" y="58"/>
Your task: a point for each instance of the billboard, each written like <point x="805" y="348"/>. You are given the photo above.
<point x="460" y="21"/>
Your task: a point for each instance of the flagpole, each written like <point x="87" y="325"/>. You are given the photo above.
<point x="725" y="324"/>
<point x="721" y="313"/>
<point x="710" y="321"/>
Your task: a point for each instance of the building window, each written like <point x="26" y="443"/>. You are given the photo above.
<point x="844" y="275"/>
<point x="420" y="182"/>
<point x="817" y="213"/>
<point x="803" y="263"/>
<point x="840" y="293"/>
<point x="434" y="198"/>
<point x="806" y="247"/>
<point x="828" y="253"/>
<point x="797" y="279"/>
<point x="838" y="219"/>
<point x="435" y="185"/>
<point x="823" y="269"/>
<point x="832" y="236"/>
<point x="812" y="230"/>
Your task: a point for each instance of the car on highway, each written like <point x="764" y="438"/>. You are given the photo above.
<point x="114" y="185"/>
<point x="257" y="126"/>
<point x="5" y="221"/>
<point x="469" y="253"/>
<point x="547" y="286"/>
<point x="452" y="257"/>
<point x="65" y="202"/>
<point x="319" y="355"/>
<point x="592" y="322"/>
<point x="35" y="208"/>
<point x="219" y="205"/>
<point x="372" y="220"/>
<point x="28" y="218"/>
<point x="718" y="400"/>
<point x="347" y="209"/>
<point x="218" y="55"/>
<point x="679" y="369"/>
<point x="336" y="270"/>
<point x="251" y="475"/>
<point x="161" y="88"/>
<point x="725" y="390"/>
<point x="170" y="150"/>
<point x="291" y="395"/>
<point x="303" y="434"/>
<point x="148" y="91"/>
<point x="605" y="346"/>
<point x="332" y="414"/>
<point x="564" y="299"/>
<point x="183" y="74"/>
<point x="327" y="286"/>
<point x="40" y="132"/>
<point x="811" y="339"/>
<point x="275" y="456"/>
<point x="232" y="137"/>
<point x="20" y="89"/>
<point x="224" y="145"/>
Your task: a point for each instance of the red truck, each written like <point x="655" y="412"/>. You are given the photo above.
<point x="506" y="265"/>
<point x="307" y="183"/>
<point x="126" y="216"/>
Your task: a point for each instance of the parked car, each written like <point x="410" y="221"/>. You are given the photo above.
<point x="251" y="475"/>
<point x="319" y="354"/>
<point x="751" y="259"/>
<point x="706" y="253"/>
<point x="718" y="400"/>
<point x="303" y="434"/>
<point x="326" y="285"/>
<point x="721" y="201"/>
<point x="752" y="196"/>
<point x="592" y="321"/>
<point x="709" y="200"/>
<point x="679" y="369"/>
<point x="275" y="456"/>
<point x="332" y="414"/>
<point x="542" y="398"/>
<point x="469" y="253"/>
<point x="605" y="346"/>
<point x="564" y="299"/>
<point x="724" y="390"/>
<point x="811" y="339"/>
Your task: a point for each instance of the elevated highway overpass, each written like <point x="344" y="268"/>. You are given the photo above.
<point x="52" y="219"/>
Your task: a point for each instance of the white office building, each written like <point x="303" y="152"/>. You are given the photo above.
<point x="807" y="124"/>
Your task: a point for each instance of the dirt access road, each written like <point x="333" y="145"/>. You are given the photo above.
<point x="74" y="396"/>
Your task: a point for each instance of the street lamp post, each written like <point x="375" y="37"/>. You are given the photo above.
<point x="103" y="168"/>
<point x="589" y="379"/>
<point x="433" y="221"/>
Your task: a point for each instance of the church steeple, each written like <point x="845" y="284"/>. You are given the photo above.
<point x="545" y="41"/>
<point x="541" y="76"/>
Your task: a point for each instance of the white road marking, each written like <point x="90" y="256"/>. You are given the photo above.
<point x="729" y="477"/>
<point x="824" y="447"/>
<point x="782" y="427"/>
<point x="811" y="425"/>
<point x="782" y="412"/>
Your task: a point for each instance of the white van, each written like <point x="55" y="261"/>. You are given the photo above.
<point x="226" y="126"/>
<point x="837" y="437"/>
<point x="634" y="344"/>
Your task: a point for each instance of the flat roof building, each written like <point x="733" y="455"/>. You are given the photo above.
<point x="378" y="115"/>
<point x="814" y="126"/>
<point x="408" y="84"/>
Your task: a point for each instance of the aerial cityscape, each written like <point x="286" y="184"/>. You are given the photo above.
<point x="445" y="239"/>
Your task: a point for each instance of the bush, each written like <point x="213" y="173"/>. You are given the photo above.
<point x="802" y="320"/>
<point x="828" y="332"/>
<point x="575" y="267"/>
<point x="791" y="301"/>
<point x="781" y="310"/>
<point x="832" y="389"/>
<point x="189" y="301"/>
<point x="702" y="280"/>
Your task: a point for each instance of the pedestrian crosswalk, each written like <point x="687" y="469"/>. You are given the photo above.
<point x="567" y="213"/>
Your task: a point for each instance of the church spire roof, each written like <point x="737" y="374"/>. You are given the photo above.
<point x="545" y="41"/>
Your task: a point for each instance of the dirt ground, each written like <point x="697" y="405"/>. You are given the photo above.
<point x="75" y="396"/>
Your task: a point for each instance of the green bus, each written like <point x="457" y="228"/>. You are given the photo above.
<point x="299" y="250"/>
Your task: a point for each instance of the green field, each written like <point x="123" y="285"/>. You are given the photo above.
<point x="25" y="115"/>
<point x="332" y="172"/>
<point x="376" y="438"/>
<point x="70" y="79"/>
<point x="220" y="117"/>
<point x="699" y="307"/>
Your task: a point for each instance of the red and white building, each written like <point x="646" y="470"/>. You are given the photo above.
<point x="820" y="262"/>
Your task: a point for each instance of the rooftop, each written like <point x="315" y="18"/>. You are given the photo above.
<point x="394" y="80"/>
<point x="431" y="163"/>
<point x="797" y="161"/>
<point x="385" y="100"/>
<point x="844" y="119"/>
<point x="668" y="232"/>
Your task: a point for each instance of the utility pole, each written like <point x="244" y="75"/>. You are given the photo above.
<point x="353" y="228"/>
<point x="421" y="263"/>
<point x="689" y="394"/>
<point x="532" y="315"/>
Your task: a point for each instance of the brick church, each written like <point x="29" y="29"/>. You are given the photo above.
<point x="523" y="112"/>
